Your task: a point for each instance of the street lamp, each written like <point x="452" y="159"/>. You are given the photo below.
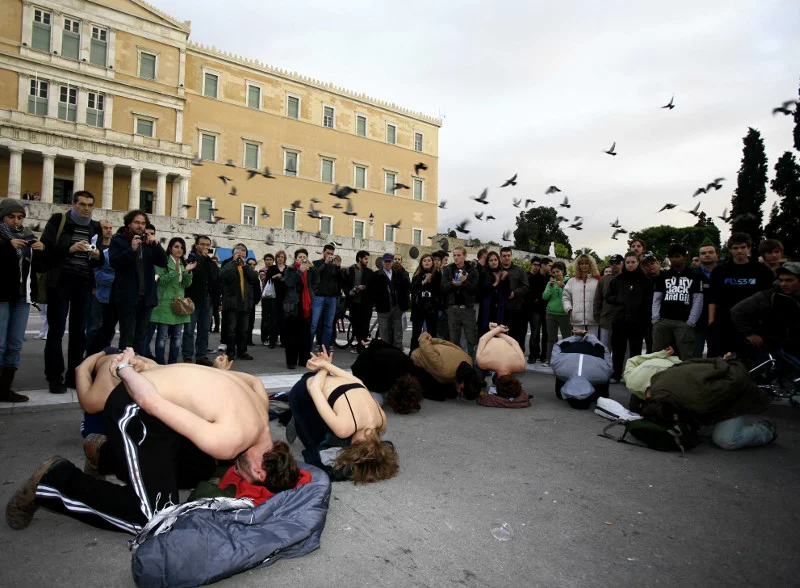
<point x="371" y="225"/>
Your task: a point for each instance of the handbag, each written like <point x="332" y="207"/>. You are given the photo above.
<point x="182" y="306"/>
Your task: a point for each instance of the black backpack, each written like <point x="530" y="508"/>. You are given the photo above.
<point x="678" y="437"/>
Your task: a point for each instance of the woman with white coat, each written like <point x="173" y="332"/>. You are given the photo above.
<point x="578" y="296"/>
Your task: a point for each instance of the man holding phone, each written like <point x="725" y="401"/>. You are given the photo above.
<point x="326" y="294"/>
<point x="237" y="279"/>
<point x="459" y="287"/>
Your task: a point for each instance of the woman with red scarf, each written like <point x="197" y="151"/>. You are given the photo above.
<point x="301" y="278"/>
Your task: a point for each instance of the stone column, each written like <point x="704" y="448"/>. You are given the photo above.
<point x="79" y="175"/>
<point x="183" y="185"/>
<point x="15" y="173"/>
<point x="136" y="183"/>
<point x="108" y="186"/>
<point x="160" y="207"/>
<point x="48" y="169"/>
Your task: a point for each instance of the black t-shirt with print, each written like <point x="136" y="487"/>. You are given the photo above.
<point x="677" y="289"/>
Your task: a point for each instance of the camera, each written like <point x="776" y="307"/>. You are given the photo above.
<point x="192" y="257"/>
<point x="30" y="239"/>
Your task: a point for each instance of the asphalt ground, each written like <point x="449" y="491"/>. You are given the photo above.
<point x="582" y="510"/>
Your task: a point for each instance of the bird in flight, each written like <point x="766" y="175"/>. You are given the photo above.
<point x="695" y="210"/>
<point x="264" y="213"/>
<point x="566" y="203"/>
<point x="315" y="201"/>
<point x="268" y="174"/>
<point x="400" y="187"/>
<point x="670" y="105"/>
<point x="490" y="217"/>
<point x="506" y="236"/>
<point x="482" y="198"/>
<point x="343" y="192"/>
<point x="478" y="215"/>
<point x="725" y="218"/>
<point x="667" y="206"/>
<point x="716" y="184"/>
<point x="516" y="202"/>
<point x="419" y="166"/>
<point x="611" y="151"/>
<point x="269" y="240"/>
<point x="552" y="190"/>
<point x="229" y="229"/>
<point x="510" y="182"/>
<point x="443" y="204"/>
<point x="528" y="202"/>
<point x="337" y="206"/>
<point x="577" y="226"/>
<point x="251" y="173"/>
<point x="312" y="212"/>
<point x="561" y="219"/>
<point x="230" y="163"/>
<point x="616" y="224"/>
<point x="396" y="225"/>
<point x="233" y="191"/>
<point x="187" y="206"/>
<point x="225" y="179"/>
<point x="197" y="160"/>
<point x="784" y="108"/>
<point x="619" y="231"/>
<point x="699" y="191"/>
<point x="462" y="227"/>
<point x="350" y="211"/>
<point x="295" y="205"/>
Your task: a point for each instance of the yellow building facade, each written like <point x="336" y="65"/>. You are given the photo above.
<point x="113" y="98"/>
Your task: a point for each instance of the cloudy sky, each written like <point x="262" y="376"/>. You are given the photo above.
<point x="543" y="88"/>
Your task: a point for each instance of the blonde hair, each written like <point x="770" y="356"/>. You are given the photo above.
<point x="592" y="265"/>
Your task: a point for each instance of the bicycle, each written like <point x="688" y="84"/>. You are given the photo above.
<point x="779" y="375"/>
<point x="345" y="337"/>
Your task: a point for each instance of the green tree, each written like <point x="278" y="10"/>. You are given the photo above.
<point x="537" y="228"/>
<point x="771" y="228"/>
<point x="561" y="251"/>
<point x="751" y="189"/>
<point x="786" y="185"/>
<point x="659" y="238"/>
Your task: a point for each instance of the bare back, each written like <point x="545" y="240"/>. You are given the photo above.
<point x="500" y="354"/>
<point x="367" y="412"/>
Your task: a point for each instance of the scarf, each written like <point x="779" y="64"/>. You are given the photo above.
<point x="258" y="494"/>
<point x="305" y="297"/>
<point x="8" y="233"/>
<point x="78" y="219"/>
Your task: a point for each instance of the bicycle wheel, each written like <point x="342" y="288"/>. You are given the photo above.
<point x="343" y="329"/>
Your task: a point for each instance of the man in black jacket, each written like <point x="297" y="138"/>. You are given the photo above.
<point x="237" y="279"/>
<point x="326" y="295"/>
<point x="70" y="281"/>
<point x="517" y="287"/>
<point x="537" y="306"/>
<point x="388" y="289"/>
<point x="356" y="281"/>
<point x="459" y="287"/>
<point x="134" y="256"/>
<point x="204" y="287"/>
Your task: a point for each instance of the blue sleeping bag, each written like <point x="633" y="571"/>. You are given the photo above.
<point x="214" y="538"/>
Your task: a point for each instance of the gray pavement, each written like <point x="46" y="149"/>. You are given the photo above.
<point x="584" y="511"/>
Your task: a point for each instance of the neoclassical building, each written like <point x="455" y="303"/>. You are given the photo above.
<point x="112" y="97"/>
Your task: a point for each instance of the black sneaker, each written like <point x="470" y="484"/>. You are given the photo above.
<point x="57" y="388"/>
<point x="245" y="356"/>
<point x="531" y="360"/>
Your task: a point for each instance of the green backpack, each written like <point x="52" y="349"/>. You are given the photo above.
<point x="678" y="437"/>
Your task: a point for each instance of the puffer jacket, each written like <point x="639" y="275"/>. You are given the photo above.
<point x="553" y="295"/>
<point x="582" y="356"/>
<point x="579" y="296"/>
<point x="439" y="358"/>
<point x="711" y="390"/>
<point x="640" y="369"/>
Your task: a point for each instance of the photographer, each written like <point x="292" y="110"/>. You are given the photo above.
<point x="237" y="279"/>
<point x="326" y="294"/>
<point x="134" y="255"/>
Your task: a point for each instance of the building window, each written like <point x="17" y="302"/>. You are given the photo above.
<point x="289" y="220"/>
<point x="251" y="155"/>
<point x="147" y="66"/>
<point x="293" y="107"/>
<point x="361" y="125"/>
<point x="208" y="147"/>
<point x="40" y="39"/>
<point x="71" y="39"/>
<point x="248" y="215"/>
<point x="327" y="116"/>
<point x="290" y="161"/>
<point x="145" y="127"/>
<point x="358" y="229"/>
<point x="68" y="103"/>
<point x="95" y="110"/>
<point x="210" y="83"/>
<point x="361" y="177"/>
<point x="204" y="206"/>
<point x="417" y="189"/>
<point x="253" y="97"/>
<point x="326" y="224"/>
<point x="416" y="237"/>
<point x="146" y="201"/>
<point x="98" y="50"/>
<point x="37" y="97"/>
<point x="391" y="180"/>
<point x="388" y="233"/>
<point x="327" y="170"/>
<point x="391" y="134"/>
<point x="417" y="141"/>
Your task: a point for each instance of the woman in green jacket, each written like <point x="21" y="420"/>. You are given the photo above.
<point x="172" y="280"/>
<point x="555" y="316"/>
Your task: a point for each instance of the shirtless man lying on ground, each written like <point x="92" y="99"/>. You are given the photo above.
<point x="149" y="416"/>
<point x="499" y="353"/>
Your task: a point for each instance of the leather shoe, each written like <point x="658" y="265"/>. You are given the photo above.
<point x="245" y="356"/>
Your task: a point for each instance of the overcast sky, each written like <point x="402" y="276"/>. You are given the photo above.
<point x="543" y="88"/>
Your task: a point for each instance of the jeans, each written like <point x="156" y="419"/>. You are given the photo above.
<point x="605" y="336"/>
<point x="323" y="307"/>
<point x="13" y="320"/>
<point x="147" y="339"/>
<point x="68" y="299"/>
<point x="735" y="434"/>
<point x="700" y="337"/>
<point x="421" y="315"/>
<point x="667" y="332"/>
<point x="625" y="335"/>
<point x="537" y="323"/>
<point x="463" y="317"/>
<point x="556" y="323"/>
<point x="392" y="323"/>
<point x="271" y="319"/>
<point x="133" y="324"/>
<point x="94" y="319"/>
<point x="201" y="320"/>
<point x="174" y="332"/>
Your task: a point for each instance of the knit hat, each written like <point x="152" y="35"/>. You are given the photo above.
<point x="10" y="206"/>
<point x="790" y="267"/>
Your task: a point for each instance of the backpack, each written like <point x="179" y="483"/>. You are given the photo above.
<point x="678" y="437"/>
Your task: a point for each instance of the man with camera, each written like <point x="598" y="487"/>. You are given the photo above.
<point x="203" y="291"/>
<point x="70" y="281"/>
<point x="326" y="294"/>
<point x="133" y="254"/>
<point x="237" y="279"/>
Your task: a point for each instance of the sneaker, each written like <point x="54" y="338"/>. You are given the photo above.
<point x="91" y="454"/>
<point x="354" y="350"/>
<point x="291" y="366"/>
<point x="188" y="360"/>
<point x="222" y="348"/>
<point x="545" y="364"/>
<point x="267" y="344"/>
<point x="245" y="356"/>
<point x="22" y="506"/>
<point x="531" y="360"/>
<point x="205" y="361"/>
<point x="57" y="388"/>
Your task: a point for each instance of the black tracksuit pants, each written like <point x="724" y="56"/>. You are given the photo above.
<point x="152" y="460"/>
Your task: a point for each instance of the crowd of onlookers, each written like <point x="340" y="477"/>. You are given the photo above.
<point x="104" y="280"/>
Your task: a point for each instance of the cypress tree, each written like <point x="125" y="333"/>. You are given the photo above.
<point x="787" y="185"/>
<point x="751" y="188"/>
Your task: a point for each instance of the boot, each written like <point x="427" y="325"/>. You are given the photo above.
<point x="6" y="393"/>
<point x="22" y="506"/>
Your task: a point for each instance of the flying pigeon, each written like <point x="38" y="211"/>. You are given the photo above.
<point x="566" y="203"/>
<point x="478" y="216"/>
<point x="725" y="218"/>
<point x="462" y="227"/>
<point x="396" y="225"/>
<point x="506" y="236"/>
<point x="670" y="105"/>
<point x="616" y="224"/>
<point x="611" y="151"/>
<point x="187" y="206"/>
<point x="482" y="197"/>
<point x="224" y="179"/>
<point x="230" y="163"/>
<point x="350" y="211"/>
<point x="337" y="206"/>
<point x="516" y="202"/>
<point x="419" y="166"/>
<point x="667" y="207"/>
<point x="197" y="160"/>
<point x="552" y="190"/>
<point x="699" y="191"/>
<point x="443" y="204"/>
<point x="264" y="213"/>
<point x="490" y="217"/>
<point x="343" y="192"/>
<point x="268" y="174"/>
<point x="295" y="205"/>
<point x="251" y="173"/>
<point x="233" y="191"/>
<point x="528" y="202"/>
<point x="510" y="182"/>
<point x="400" y="187"/>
